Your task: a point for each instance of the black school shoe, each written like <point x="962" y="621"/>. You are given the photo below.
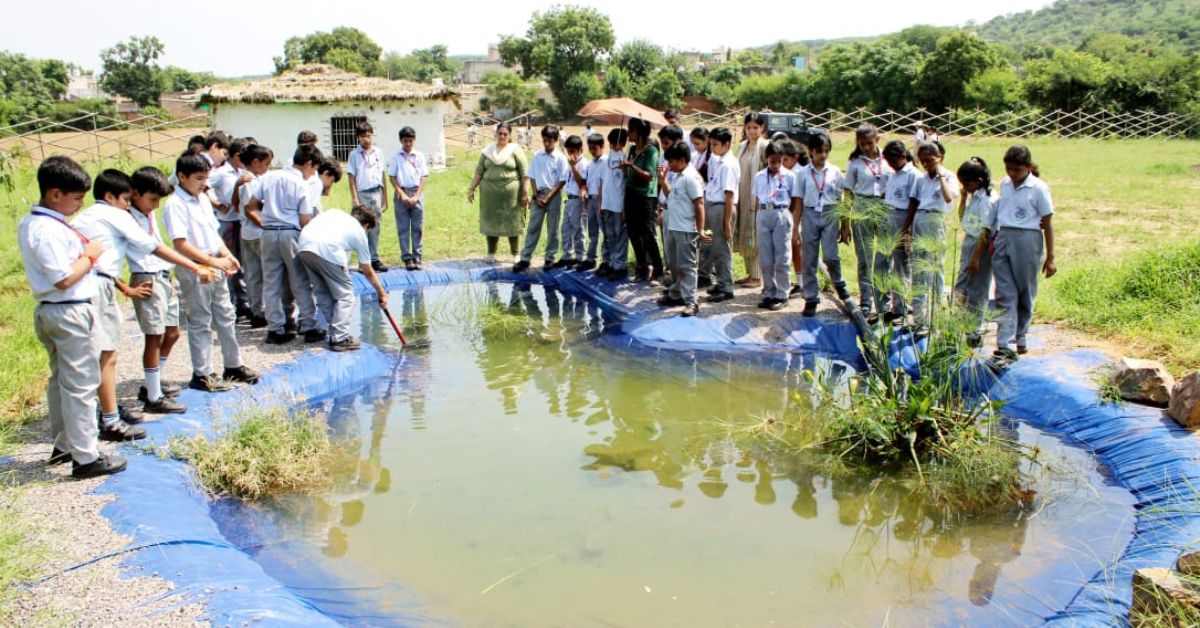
<point x="1022" y="349"/>
<point x="520" y="266"/>
<point x="974" y="340"/>
<point x="891" y="317"/>
<point x="410" y="265"/>
<point x="378" y="266"/>
<point x="208" y="383"/>
<point x="121" y="432"/>
<point x="106" y="464"/>
<point x="670" y="301"/>
<point x="691" y="309"/>
<point x="168" y="390"/>
<point x="130" y="415"/>
<point x="349" y="343"/>
<point x="703" y="282"/>
<point x="58" y="456"/>
<point x="810" y="309"/>
<point x="276" y="338"/>
<point x="1005" y="354"/>
<point x="290" y="326"/>
<point x="314" y="335"/>
<point x="720" y="296"/>
<point x="765" y="303"/>
<point x="258" y="322"/>
<point x="584" y="266"/>
<point x="777" y="304"/>
<point x="242" y="374"/>
<point x="796" y="290"/>
<point x="165" y="405"/>
<point x="842" y="292"/>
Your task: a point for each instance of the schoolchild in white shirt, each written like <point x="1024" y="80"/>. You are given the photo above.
<point x="700" y="152"/>
<point x="819" y="188"/>
<point x="924" y="230"/>
<point x="720" y="203"/>
<point x="574" y="219"/>
<point x="615" y="258"/>
<point x="668" y="136"/>
<point x="192" y="227"/>
<point x="59" y="265"/>
<point x="795" y="159"/>
<point x="325" y="246"/>
<point x="223" y="183"/>
<point x="866" y="180"/>
<point x="1024" y="244"/>
<point x="974" y="281"/>
<point x="365" y="168"/>
<point x="776" y="203"/>
<point x="684" y="221"/>
<point x="595" y="176"/>
<point x="409" y="173"/>
<point x="547" y="176"/>
<point x="258" y="160"/>
<point x="308" y="138"/>
<point x="900" y="194"/>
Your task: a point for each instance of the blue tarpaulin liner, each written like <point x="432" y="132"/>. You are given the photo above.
<point x="239" y="577"/>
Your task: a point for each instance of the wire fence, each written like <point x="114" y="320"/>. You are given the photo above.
<point x="978" y="123"/>
<point x="468" y="132"/>
<point x="97" y="137"/>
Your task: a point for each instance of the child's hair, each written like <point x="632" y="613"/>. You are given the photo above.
<point x="792" y="148"/>
<point x="775" y="147"/>
<point x="930" y="147"/>
<point x="671" y="132"/>
<point x="195" y="144"/>
<point x="976" y="169"/>
<point x="550" y="132"/>
<point x="595" y="139"/>
<point x="255" y="152"/>
<point x="1020" y="156"/>
<point x="618" y="137"/>
<point x="408" y="131"/>
<point x="864" y="130"/>
<point x="671" y="114"/>
<point x="362" y="128"/>
<point x="306" y="137"/>
<point x="819" y="140"/>
<point x="721" y="135"/>
<point x="699" y="133"/>
<point x="237" y="146"/>
<point x="330" y="167"/>
<point x="896" y="149"/>
<point x="111" y="181"/>
<point x="218" y="139"/>
<point x="573" y="142"/>
<point x="677" y="152"/>
<point x="188" y="165"/>
<point x="364" y="217"/>
<point x="756" y="117"/>
<point x="149" y="180"/>
<point x="307" y="154"/>
<point x="62" y="173"/>
<point x="641" y="127"/>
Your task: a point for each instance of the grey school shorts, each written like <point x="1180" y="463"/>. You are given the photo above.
<point x="161" y="309"/>
<point x="108" y="315"/>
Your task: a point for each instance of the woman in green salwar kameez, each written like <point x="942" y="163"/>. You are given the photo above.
<point x="503" y="199"/>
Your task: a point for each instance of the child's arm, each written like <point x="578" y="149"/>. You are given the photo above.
<point x="962" y="206"/>
<point x="981" y="245"/>
<point x="254" y="211"/>
<point x="727" y="229"/>
<point x="353" y="190"/>
<point x="420" y="189"/>
<point x="190" y="251"/>
<point x="906" y="230"/>
<point x="1048" y="266"/>
<point x="175" y="258"/>
<point x="944" y="182"/>
<point x="82" y="265"/>
<point x="698" y="204"/>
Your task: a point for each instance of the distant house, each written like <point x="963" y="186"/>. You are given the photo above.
<point x="330" y="102"/>
<point x="474" y="70"/>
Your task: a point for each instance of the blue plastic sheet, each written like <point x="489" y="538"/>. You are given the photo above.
<point x="241" y="577"/>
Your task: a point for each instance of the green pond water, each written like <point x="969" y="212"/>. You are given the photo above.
<point x="530" y="470"/>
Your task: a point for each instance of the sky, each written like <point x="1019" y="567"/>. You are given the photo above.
<point x="193" y="39"/>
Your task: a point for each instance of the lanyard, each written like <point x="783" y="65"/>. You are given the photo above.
<point x="82" y="238"/>
<point x="812" y="172"/>
<point x="873" y="166"/>
<point x="776" y="184"/>
<point x="149" y="222"/>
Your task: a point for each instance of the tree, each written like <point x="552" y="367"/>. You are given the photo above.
<point x="579" y="90"/>
<point x="617" y="82"/>
<point x="661" y="90"/>
<point x="751" y="57"/>
<point x="130" y="69"/>
<point x="922" y="36"/>
<point x="958" y="57"/>
<point x="995" y="91"/>
<point x="343" y="47"/>
<point x="560" y="44"/>
<point x="55" y="77"/>
<point x="1065" y="81"/>
<point x="177" y="79"/>
<point x="507" y="91"/>
<point x="639" y="59"/>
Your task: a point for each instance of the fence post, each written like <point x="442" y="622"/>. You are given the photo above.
<point x="96" y="136"/>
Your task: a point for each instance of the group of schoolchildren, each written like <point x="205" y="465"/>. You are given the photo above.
<point x="249" y="245"/>
<point x="686" y="193"/>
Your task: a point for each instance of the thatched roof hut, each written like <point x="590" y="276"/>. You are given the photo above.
<point x="320" y="83"/>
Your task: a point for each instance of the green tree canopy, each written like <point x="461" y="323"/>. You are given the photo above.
<point x="559" y="44"/>
<point x="617" y="82"/>
<point x="177" y="79"/>
<point x="1065" y="81"/>
<point x="661" y="90"/>
<point x="923" y="37"/>
<point x="580" y="89"/>
<point x="958" y="57"/>
<point x="344" y="47"/>
<point x="995" y="90"/>
<point x="130" y="69"/>
<point x="639" y="59"/>
<point x="506" y="90"/>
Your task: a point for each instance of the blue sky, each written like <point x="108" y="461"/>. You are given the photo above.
<point x="81" y="30"/>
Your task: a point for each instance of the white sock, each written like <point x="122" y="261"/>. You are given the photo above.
<point x="162" y="361"/>
<point x="153" y="384"/>
<point x="107" y="419"/>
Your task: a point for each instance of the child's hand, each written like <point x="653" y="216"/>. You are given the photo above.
<point x="706" y="237"/>
<point x="470" y="196"/>
<point x="727" y="231"/>
<point x="142" y="291"/>
<point x="93" y="248"/>
<point x="383" y="300"/>
<point x="1049" y="268"/>
<point x="245" y="178"/>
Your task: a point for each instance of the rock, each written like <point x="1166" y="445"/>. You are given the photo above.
<point x="1185" y="401"/>
<point x="1189" y="564"/>
<point x="1144" y="381"/>
<point x="1160" y="597"/>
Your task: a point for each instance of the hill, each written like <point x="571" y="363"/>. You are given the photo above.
<point x="1170" y="23"/>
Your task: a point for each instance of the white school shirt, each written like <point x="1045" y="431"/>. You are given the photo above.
<point x="724" y="175"/>
<point x="366" y="167"/>
<point x="866" y="176"/>
<point x="332" y="236"/>
<point x="547" y="170"/>
<point x="699" y="158"/>
<point x="1023" y="206"/>
<point x="250" y="231"/>
<point x="681" y="209"/>
<point x="147" y="262"/>
<point x="977" y="212"/>
<point x="222" y="181"/>
<point x="820" y="189"/>
<point x="929" y="193"/>
<point x="48" y="248"/>
<point x="409" y="168"/>
<point x="613" y="187"/>
<point x="775" y="191"/>
<point x="191" y="218"/>
<point x="901" y="187"/>
<point x="116" y="229"/>
<point x="595" y="174"/>
<point x="572" y="187"/>
<point x="285" y="195"/>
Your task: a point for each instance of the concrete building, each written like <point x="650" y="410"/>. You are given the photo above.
<point x="330" y="102"/>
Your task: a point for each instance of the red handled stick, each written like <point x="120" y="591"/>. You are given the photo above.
<point x="396" y="327"/>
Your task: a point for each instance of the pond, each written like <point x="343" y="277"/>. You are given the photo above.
<point x="532" y="469"/>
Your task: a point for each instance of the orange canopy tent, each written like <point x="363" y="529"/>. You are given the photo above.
<point x="618" y="111"/>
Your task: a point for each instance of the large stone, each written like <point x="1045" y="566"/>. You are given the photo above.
<point x="1144" y="381"/>
<point x="1189" y="564"/>
<point x="1161" y="598"/>
<point x="1185" y="401"/>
